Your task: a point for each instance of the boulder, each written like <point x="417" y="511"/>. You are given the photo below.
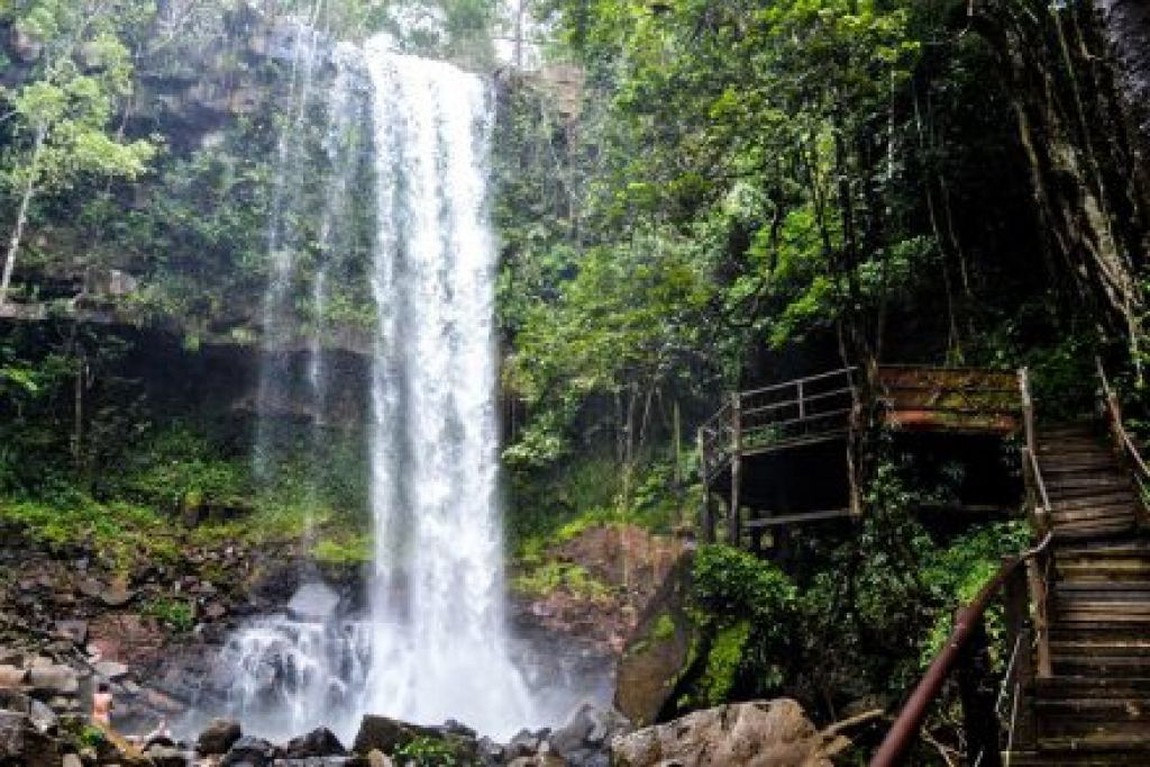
<point x="22" y="743"/>
<point x="77" y="630"/>
<point x="166" y="756"/>
<point x="71" y="760"/>
<point x="249" y="751"/>
<point x="90" y="587"/>
<point x="760" y="734"/>
<point x="490" y="753"/>
<point x="111" y="670"/>
<point x="525" y="743"/>
<point x="12" y="676"/>
<point x="658" y="651"/>
<point x="42" y="716"/>
<point x="381" y="733"/>
<point x="117" y="595"/>
<point x="319" y="742"/>
<point x="54" y="679"/>
<point x="584" y="739"/>
<point x="377" y="758"/>
<point x="218" y="737"/>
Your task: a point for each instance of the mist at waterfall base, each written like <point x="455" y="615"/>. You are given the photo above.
<point x="432" y="644"/>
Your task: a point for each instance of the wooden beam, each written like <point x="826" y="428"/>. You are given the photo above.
<point x="786" y="519"/>
<point x="736" y="469"/>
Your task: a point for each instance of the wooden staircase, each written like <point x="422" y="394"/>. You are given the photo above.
<point x="1094" y="706"/>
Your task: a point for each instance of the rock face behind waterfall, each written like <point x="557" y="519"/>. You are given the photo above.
<point x="760" y="734"/>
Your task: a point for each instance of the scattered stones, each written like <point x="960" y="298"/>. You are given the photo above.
<point x="215" y="611"/>
<point x="90" y="587"/>
<point x="75" y="630"/>
<point x="117" y="595"/>
<point x="218" y="737"/>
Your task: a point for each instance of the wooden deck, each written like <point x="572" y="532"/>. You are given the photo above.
<point x="833" y="408"/>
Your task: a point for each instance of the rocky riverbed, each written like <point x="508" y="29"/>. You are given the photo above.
<point x="154" y="632"/>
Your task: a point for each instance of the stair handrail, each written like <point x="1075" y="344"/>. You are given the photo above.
<point x="1030" y="465"/>
<point x="906" y="725"/>
<point x="1114" y="417"/>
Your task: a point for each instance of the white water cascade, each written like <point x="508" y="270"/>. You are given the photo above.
<point x="433" y="645"/>
<point x="439" y="647"/>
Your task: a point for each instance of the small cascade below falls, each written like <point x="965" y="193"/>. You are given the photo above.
<point x="439" y="646"/>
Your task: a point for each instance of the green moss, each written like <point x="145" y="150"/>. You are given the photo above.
<point x="177" y="614"/>
<point x="664" y="628"/>
<point x="550" y="577"/>
<point x="352" y="549"/>
<point x="723" y="663"/>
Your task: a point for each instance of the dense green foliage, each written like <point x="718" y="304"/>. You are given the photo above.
<point x="723" y="195"/>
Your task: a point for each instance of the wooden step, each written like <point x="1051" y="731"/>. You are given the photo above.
<point x="1053" y="468"/>
<point x="1131" y="588"/>
<point x="1097" y="482"/>
<point x="1124" y="495"/>
<point x="1100" y="666"/>
<point x="1096" y="531"/>
<point x="1068" y="687"/>
<point x="1089" y="513"/>
<point x="1063" y="759"/>
<point x="1091" y="711"/>
<point x="1069" y="427"/>
<point x="1129" y="736"/>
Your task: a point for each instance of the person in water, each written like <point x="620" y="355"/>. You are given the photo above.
<point x="102" y="705"/>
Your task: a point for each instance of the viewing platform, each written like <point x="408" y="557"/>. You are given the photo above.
<point x="790" y="453"/>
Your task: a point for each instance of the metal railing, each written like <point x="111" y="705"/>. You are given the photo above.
<point x="1123" y="441"/>
<point x="777" y="415"/>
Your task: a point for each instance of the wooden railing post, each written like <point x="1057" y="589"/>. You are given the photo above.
<point x="706" y="520"/>
<point x="1027" y="407"/>
<point x="1036" y="579"/>
<point x="733" y="537"/>
<point x="802" y="405"/>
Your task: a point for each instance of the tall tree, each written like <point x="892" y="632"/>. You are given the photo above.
<point x="79" y="69"/>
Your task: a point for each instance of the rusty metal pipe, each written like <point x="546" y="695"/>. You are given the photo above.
<point x="905" y="728"/>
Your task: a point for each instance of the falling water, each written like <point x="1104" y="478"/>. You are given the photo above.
<point x="277" y="312"/>
<point x="434" y="645"/>
<point x="439" y="648"/>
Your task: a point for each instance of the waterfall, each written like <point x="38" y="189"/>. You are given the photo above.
<point x="439" y="647"/>
<point x="433" y="645"/>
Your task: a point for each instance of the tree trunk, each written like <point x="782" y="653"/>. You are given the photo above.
<point x="22" y="215"/>
<point x="1126" y="25"/>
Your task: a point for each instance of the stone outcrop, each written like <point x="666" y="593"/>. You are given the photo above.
<point x="218" y="737"/>
<point x="760" y="734"/>
<point x="658" y="651"/>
